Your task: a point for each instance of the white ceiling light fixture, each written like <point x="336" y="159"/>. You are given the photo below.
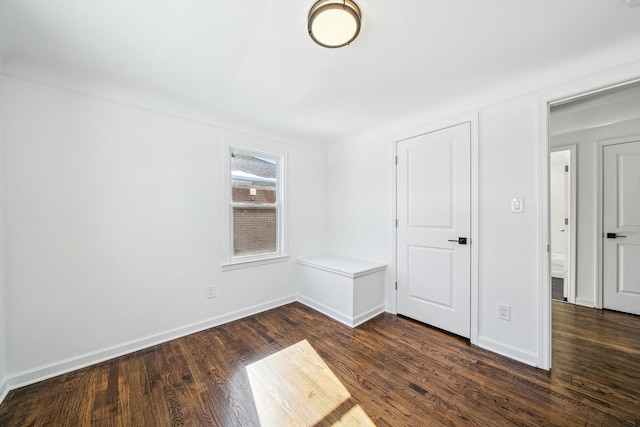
<point x="334" y="23"/>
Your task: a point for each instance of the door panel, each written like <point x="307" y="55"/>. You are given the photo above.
<point x="429" y="277"/>
<point x="430" y="186"/>
<point x="621" y="224"/>
<point x="433" y="207"/>
<point x="629" y="195"/>
<point x="629" y="269"/>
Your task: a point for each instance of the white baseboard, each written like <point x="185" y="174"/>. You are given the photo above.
<point x="352" y="322"/>
<point x="4" y="389"/>
<point x="359" y="320"/>
<point x="30" y="376"/>
<point x="585" y="302"/>
<point x="509" y="351"/>
<point x="327" y="311"/>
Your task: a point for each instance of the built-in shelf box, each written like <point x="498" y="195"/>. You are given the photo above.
<point x="349" y="290"/>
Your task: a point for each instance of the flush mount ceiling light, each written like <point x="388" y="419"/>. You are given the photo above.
<point x="334" y="23"/>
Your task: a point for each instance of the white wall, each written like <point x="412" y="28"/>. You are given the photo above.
<point x="115" y="225"/>
<point x="510" y="256"/>
<point x="508" y="246"/>
<point x="361" y="206"/>
<point x="587" y="183"/>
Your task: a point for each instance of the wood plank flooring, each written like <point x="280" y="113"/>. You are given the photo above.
<point x="395" y="372"/>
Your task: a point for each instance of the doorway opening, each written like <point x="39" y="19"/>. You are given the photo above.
<point x="584" y="125"/>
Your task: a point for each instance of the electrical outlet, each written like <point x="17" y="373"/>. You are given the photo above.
<point x="211" y="291"/>
<point x="504" y="312"/>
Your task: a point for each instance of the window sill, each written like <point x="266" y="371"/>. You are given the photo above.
<point x="237" y="264"/>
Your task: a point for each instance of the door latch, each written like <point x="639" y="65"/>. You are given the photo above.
<point x="460" y="241"/>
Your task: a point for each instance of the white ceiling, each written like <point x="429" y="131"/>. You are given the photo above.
<point x="251" y="62"/>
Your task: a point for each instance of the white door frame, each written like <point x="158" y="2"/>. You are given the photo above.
<point x="572" y="230"/>
<point x="622" y="77"/>
<point x="471" y="118"/>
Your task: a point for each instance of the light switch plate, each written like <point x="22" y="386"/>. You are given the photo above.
<point x="517" y="205"/>
<point x="504" y="312"/>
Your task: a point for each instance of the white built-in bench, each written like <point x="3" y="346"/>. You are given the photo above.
<point x="349" y="290"/>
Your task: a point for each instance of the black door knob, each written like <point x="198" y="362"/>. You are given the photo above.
<point x="613" y="236"/>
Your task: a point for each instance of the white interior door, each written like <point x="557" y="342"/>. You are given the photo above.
<point x="621" y="226"/>
<point x="558" y="173"/>
<point x="434" y="216"/>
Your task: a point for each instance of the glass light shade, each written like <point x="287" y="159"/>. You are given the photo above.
<point x="334" y="23"/>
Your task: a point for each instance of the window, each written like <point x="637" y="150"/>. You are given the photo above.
<point x="255" y="206"/>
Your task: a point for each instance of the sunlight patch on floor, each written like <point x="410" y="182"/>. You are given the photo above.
<point x="295" y="387"/>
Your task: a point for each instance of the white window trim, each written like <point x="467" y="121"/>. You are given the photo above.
<point x="235" y="265"/>
<point x="238" y="262"/>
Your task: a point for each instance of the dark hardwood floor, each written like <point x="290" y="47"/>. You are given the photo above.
<point x="393" y="372"/>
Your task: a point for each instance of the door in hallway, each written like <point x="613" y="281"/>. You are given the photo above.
<point x="621" y="227"/>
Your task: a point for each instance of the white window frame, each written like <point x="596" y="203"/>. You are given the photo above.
<point x="235" y="262"/>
